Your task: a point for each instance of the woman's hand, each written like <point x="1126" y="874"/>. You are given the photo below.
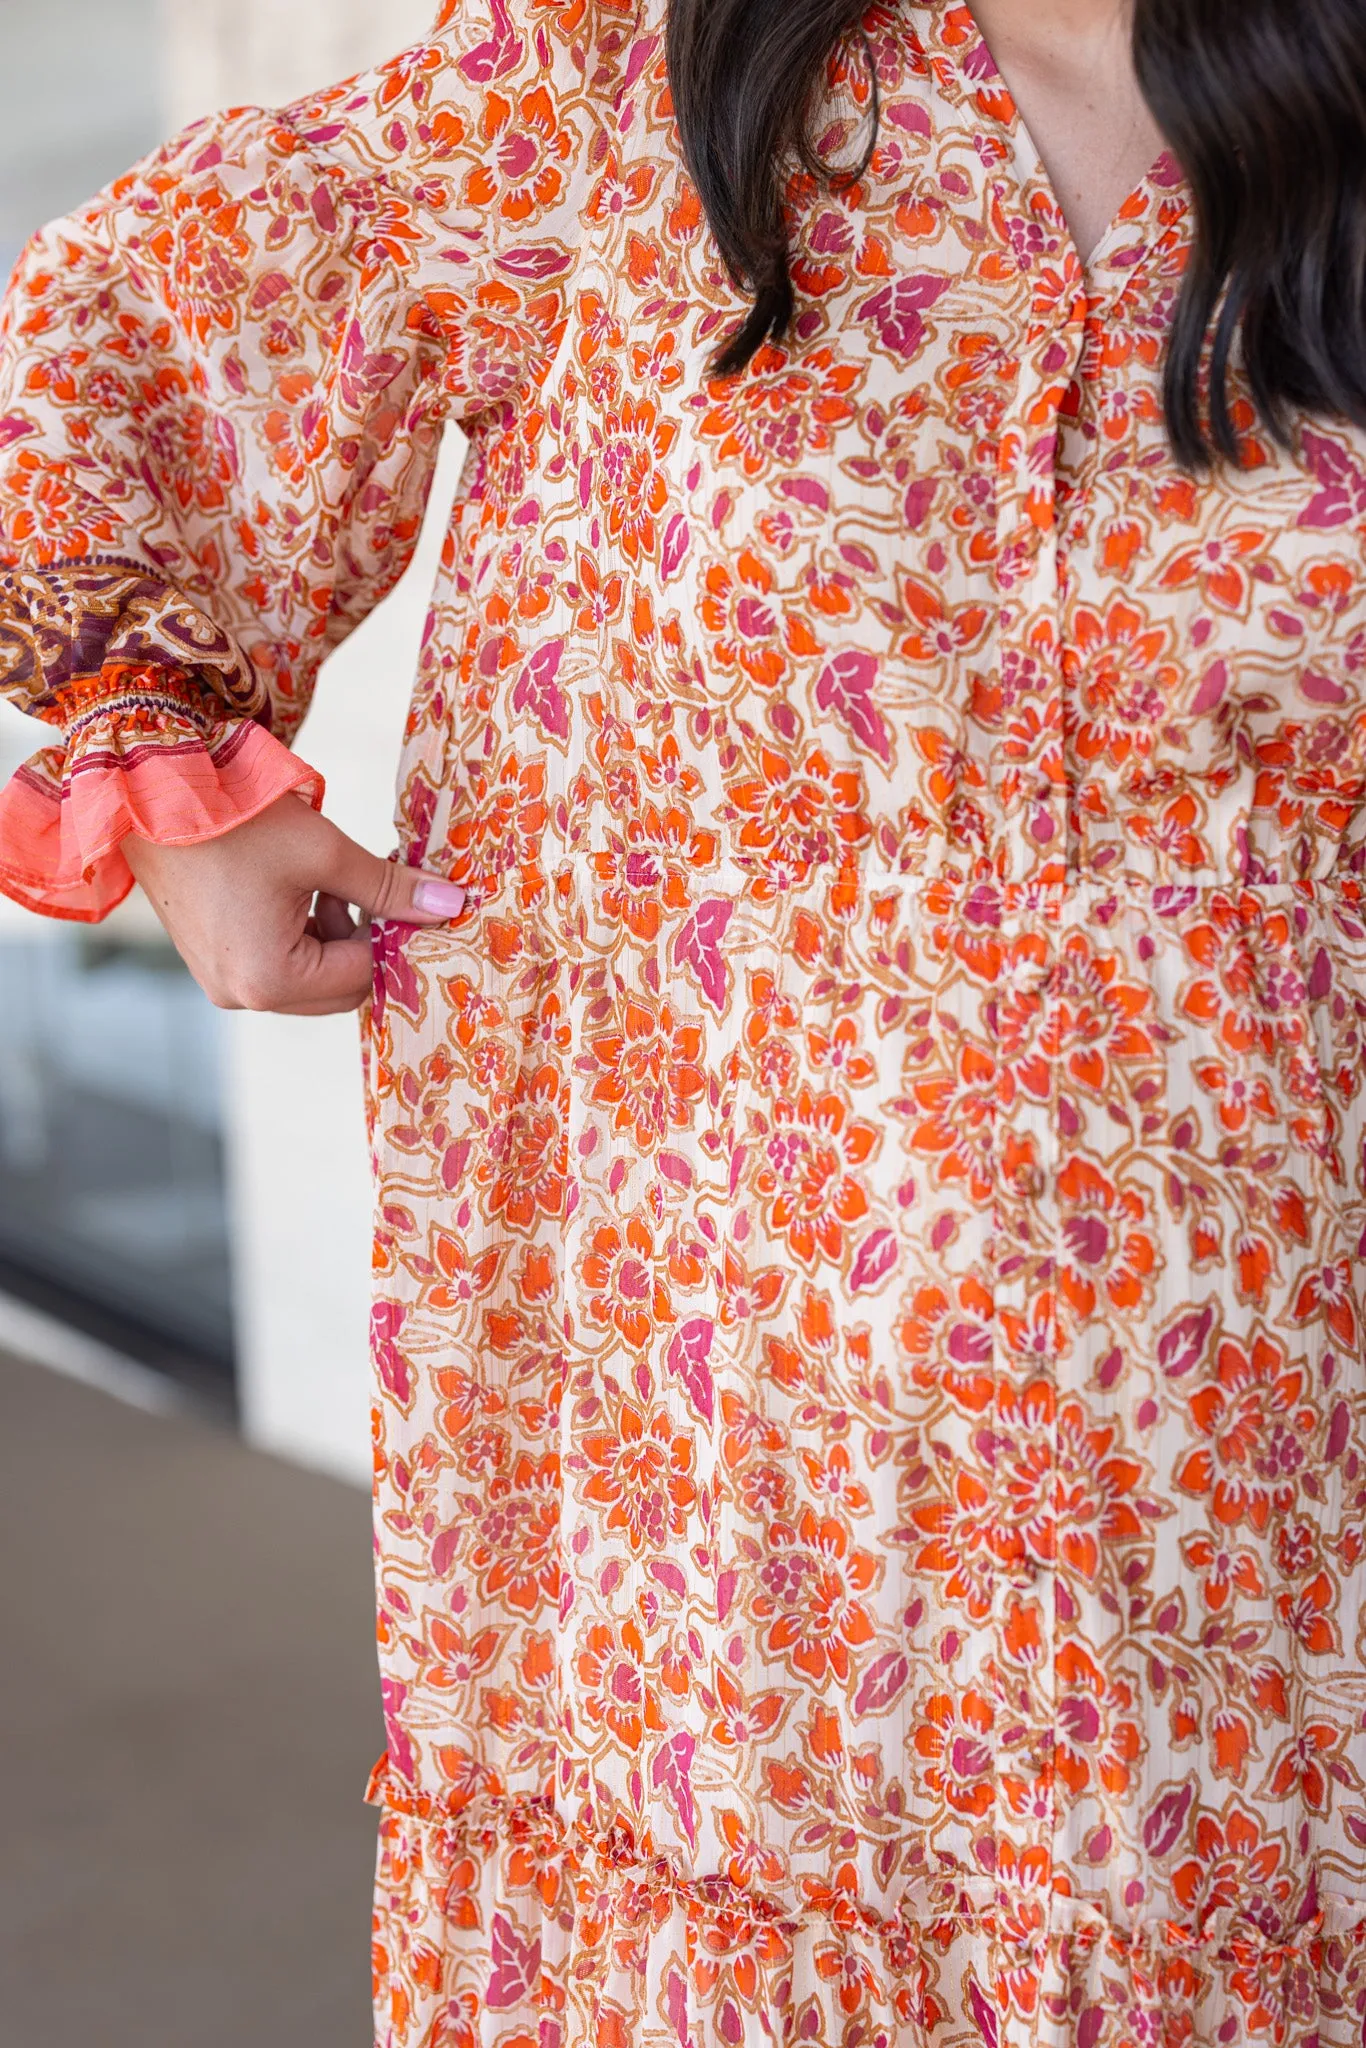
<point x="241" y="910"/>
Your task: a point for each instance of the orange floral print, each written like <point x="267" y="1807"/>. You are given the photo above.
<point x="809" y="1595"/>
<point x="869" y="1422"/>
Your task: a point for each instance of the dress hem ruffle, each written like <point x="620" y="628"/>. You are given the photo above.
<point x="612" y="1930"/>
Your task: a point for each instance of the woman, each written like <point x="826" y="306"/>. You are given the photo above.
<point x="870" y="1426"/>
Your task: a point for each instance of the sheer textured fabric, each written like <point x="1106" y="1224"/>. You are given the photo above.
<point x="870" y="1418"/>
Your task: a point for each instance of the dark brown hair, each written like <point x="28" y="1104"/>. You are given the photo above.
<point x="1263" y="103"/>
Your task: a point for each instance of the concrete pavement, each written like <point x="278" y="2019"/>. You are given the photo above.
<point x="188" y="1709"/>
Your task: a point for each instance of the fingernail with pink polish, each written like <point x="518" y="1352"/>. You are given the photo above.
<point x="441" y="899"/>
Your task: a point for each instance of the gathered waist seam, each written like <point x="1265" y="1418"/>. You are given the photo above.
<point x="530" y="1819"/>
<point x="777" y="879"/>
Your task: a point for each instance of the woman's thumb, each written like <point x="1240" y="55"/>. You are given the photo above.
<point x="387" y="892"/>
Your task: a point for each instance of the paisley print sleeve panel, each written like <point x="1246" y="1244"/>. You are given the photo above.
<point x="222" y="388"/>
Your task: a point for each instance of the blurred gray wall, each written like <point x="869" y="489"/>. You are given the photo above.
<point x="81" y="97"/>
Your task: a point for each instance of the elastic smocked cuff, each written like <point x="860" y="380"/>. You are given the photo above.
<point x="150" y="752"/>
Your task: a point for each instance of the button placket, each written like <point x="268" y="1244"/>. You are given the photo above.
<point x="1033" y="792"/>
<point x="1029" y="778"/>
<point x="1022" y="1453"/>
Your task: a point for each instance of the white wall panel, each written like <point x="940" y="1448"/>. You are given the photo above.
<point x="299" y="1180"/>
<point x="262" y="52"/>
<point x="299" y="1183"/>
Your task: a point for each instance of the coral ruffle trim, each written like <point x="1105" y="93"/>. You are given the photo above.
<point x="62" y="822"/>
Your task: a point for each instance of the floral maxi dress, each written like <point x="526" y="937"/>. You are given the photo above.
<point x="870" y="1408"/>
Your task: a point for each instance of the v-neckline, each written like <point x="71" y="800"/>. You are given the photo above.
<point x="970" y="56"/>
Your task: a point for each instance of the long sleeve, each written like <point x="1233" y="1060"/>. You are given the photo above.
<point x="222" y="387"/>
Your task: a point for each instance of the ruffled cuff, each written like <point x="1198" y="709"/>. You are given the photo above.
<point x="147" y="750"/>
